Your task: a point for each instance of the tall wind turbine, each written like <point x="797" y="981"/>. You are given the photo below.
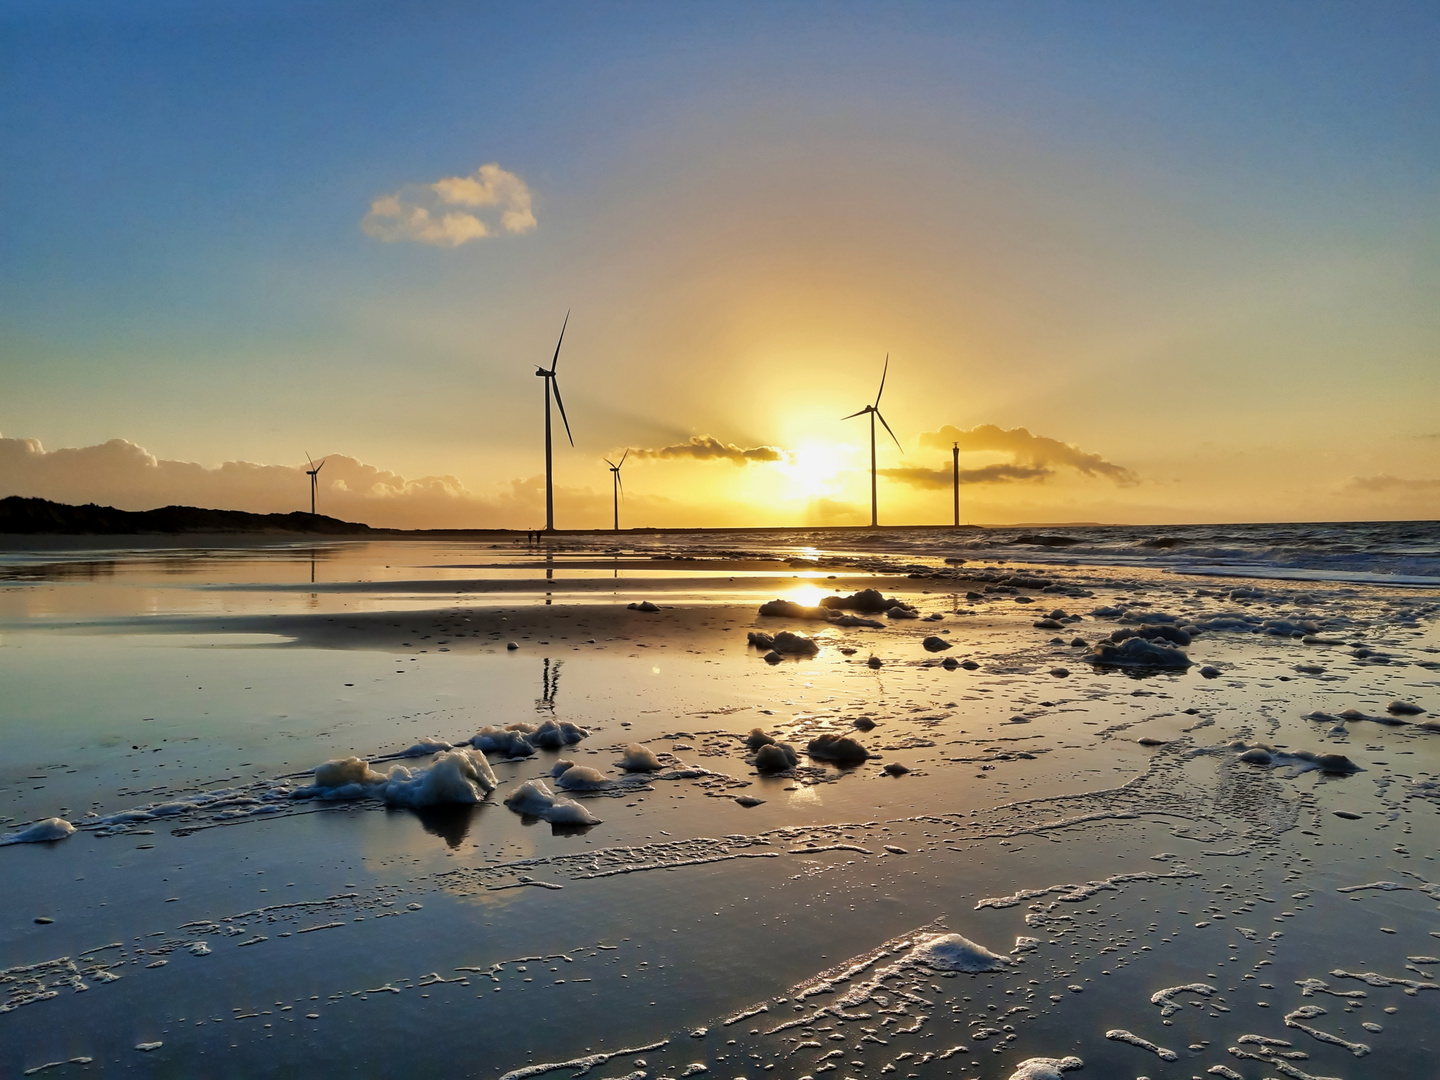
<point x="955" y="471"/>
<point x="874" y="411"/>
<point x="617" y="487"/>
<point x="550" y="382"/>
<point x="313" y="472"/>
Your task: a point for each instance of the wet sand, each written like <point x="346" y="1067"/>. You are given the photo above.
<point x="1097" y="829"/>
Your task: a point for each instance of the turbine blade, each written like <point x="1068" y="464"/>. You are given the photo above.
<point x="557" y="344"/>
<point x="321" y="465"/>
<point x="310" y="459"/>
<point x="892" y="434"/>
<point x="862" y="412"/>
<point x="610" y="463"/>
<point x="883" y="373"/>
<point x="624" y="456"/>
<point x="620" y="482"/>
<point x="555" y="383"/>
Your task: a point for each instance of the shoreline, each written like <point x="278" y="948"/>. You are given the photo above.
<point x="1125" y="828"/>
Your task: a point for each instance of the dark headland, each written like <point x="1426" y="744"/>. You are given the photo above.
<point x="41" y="516"/>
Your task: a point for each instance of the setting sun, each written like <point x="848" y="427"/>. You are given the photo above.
<point x="817" y="470"/>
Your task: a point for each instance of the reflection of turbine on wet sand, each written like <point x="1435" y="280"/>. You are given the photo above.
<point x="549" y="683"/>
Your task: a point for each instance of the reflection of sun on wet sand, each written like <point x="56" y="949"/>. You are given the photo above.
<point x="801" y="803"/>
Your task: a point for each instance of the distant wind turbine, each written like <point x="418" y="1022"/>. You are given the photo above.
<point x="313" y="472"/>
<point x="955" y="471"/>
<point x="874" y="411"/>
<point x="550" y="382"/>
<point x="617" y="487"/>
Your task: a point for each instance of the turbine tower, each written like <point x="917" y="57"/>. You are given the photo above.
<point x="874" y="411"/>
<point x="955" y="471"/>
<point x="313" y="472"/>
<point x="617" y="487"/>
<point x="550" y="382"/>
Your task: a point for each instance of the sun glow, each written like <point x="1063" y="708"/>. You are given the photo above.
<point x="814" y="470"/>
<point x="808" y="594"/>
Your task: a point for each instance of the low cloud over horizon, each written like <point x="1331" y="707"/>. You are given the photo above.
<point x="1032" y="457"/>
<point x="709" y="448"/>
<point x="921" y="477"/>
<point x="122" y="474"/>
<point x="446" y="213"/>
<point x="1386" y="484"/>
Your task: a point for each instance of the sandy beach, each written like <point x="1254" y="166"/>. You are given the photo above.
<point x="1160" y="872"/>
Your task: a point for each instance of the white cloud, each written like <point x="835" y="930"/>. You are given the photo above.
<point x="121" y="474"/>
<point x="447" y="212"/>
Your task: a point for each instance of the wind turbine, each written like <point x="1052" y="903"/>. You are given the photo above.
<point x="955" y="468"/>
<point x="549" y="377"/>
<point x="617" y="487"/>
<point x="313" y="472"/>
<point x="874" y="411"/>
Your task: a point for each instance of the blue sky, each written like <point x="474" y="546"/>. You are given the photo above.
<point x="1199" y="239"/>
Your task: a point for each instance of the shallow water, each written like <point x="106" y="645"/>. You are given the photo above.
<point x="141" y="677"/>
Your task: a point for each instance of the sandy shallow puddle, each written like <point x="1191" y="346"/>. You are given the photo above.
<point x="1113" y="817"/>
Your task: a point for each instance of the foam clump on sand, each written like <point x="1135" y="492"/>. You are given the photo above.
<point x="581" y="778"/>
<point x="556" y="734"/>
<point x="831" y="607"/>
<point x="1121" y="1035"/>
<point x="455" y="776"/>
<point x="1301" y="760"/>
<point x="840" y="749"/>
<point x="1045" y="1068"/>
<point x="795" y="644"/>
<point x="1137" y="652"/>
<point x="952" y="952"/>
<point x="639" y="758"/>
<point x="866" y="600"/>
<point x="345" y="772"/>
<point x="785" y="643"/>
<point x="935" y="644"/>
<point x="426" y="747"/>
<point x="776" y="757"/>
<point x="856" y="620"/>
<point x="757" y="738"/>
<point x="791" y="610"/>
<point x="1175" y="635"/>
<point x="537" y="800"/>
<point x="510" y="741"/>
<point x="51" y="828"/>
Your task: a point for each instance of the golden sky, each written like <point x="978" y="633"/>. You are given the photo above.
<point x="1195" y="243"/>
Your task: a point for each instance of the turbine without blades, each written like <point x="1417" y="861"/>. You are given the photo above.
<point x="552" y="383"/>
<point x="313" y="472"/>
<point x="618" y="488"/>
<point x="874" y="411"/>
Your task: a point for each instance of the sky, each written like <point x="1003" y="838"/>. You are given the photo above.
<point x="1145" y="263"/>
